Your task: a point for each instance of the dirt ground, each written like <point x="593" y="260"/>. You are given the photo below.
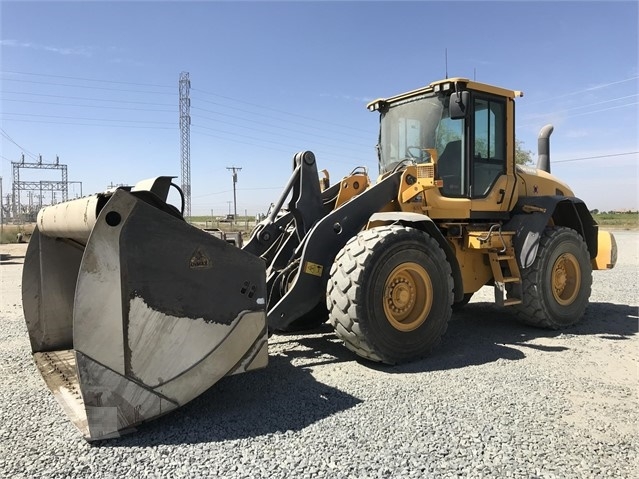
<point x="14" y="249"/>
<point x="527" y="402"/>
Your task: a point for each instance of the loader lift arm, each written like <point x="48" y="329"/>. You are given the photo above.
<point x="299" y="243"/>
<point x="275" y="238"/>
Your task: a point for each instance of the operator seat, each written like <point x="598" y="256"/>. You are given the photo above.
<point x="449" y="168"/>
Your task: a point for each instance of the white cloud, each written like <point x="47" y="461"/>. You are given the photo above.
<point x="82" y="50"/>
<point x="357" y="99"/>
<point x="576" y="133"/>
<point x="125" y="61"/>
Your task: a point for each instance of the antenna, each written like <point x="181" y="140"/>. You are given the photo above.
<point x="474" y="74"/>
<point x="446" y="61"/>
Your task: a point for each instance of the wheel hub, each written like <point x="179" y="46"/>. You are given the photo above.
<point x="402" y="296"/>
<point x="566" y="279"/>
<point x="408" y="296"/>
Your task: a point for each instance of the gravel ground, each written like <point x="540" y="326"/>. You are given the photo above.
<point x="496" y="399"/>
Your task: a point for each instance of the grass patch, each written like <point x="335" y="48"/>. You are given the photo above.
<point x="618" y="220"/>
<point x="10" y="232"/>
<point x="244" y="224"/>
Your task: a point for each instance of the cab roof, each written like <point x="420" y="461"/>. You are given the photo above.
<point x="447" y="84"/>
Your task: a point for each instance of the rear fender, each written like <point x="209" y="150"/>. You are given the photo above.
<point x="532" y="214"/>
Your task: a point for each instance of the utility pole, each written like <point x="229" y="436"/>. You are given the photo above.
<point x="234" y="169"/>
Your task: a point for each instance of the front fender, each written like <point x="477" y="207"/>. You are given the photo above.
<point x="426" y="224"/>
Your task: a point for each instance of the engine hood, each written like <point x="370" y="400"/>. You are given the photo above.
<point x="534" y="182"/>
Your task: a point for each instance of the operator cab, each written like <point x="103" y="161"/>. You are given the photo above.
<point x="462" y="126"/>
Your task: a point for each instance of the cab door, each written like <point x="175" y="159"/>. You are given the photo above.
<point x="491" y="179"/>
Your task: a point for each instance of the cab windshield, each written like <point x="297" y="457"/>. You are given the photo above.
<point x="410" y="127"/>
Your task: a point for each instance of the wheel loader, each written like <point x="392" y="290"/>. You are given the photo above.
<point x="132" y="312"/>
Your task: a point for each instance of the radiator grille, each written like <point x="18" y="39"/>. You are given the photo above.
<point x="426" y="171"/>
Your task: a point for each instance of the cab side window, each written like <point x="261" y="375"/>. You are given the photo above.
<point x="450" y="150"/>
<point x="489" y="145"/>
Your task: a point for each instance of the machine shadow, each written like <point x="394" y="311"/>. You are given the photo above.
<point x="280" y="398"/>
<point x="286" y="397"/>
<point x="482" y="333"/>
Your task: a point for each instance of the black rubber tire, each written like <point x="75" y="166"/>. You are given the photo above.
<point x="540" y="306"/>
<point x="355" y="293"/>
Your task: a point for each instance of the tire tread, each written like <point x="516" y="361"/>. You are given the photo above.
<point x="533" y="310"/>
<point x="346" y="277"/>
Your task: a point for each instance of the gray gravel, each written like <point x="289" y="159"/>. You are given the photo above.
<point x="496" y="399"/>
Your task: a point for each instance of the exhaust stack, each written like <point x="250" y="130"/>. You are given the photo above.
<point x="543" y="148"/>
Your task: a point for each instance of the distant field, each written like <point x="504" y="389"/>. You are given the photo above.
<point x="618" y="220"/>
<point x="243" y="224"/>
<point x="207" y="219"/>
<point x="626" y="221"/>
<point x="10" y="232"/>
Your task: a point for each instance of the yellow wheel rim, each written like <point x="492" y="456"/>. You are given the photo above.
<point x="408" y="296"/>
<point x="566" y="279"/>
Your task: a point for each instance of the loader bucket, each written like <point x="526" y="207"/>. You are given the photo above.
<point x="132" y="312"/>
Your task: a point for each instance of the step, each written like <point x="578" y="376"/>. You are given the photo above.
<point x="511" y="279"/>
<point x="512" y="301"/>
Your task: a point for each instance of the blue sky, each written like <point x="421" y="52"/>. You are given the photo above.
<point x="97" y="84"/>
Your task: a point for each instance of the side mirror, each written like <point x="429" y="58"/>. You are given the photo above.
<point x="458" y="106"/>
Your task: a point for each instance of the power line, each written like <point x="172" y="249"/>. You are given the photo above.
<point x="239" y="141"/>
<point x="90" y="99"/>
<point x="279" y="188"/>
<point x="89" y="119"/>
<point x="329" y="157"/>
<point x="595" y="157"/>
<point x="200" y="116"/>
<point x="89" y="106"/>
<point x="89" y="87"/>
<point x="6" y="135"/>
<point x="538" y="115"/>
<point x="86" y="79"/>
<point x="240" y="135"/>
<point x="90" y="124"/>
<point x="263" y="107"/>
<point x="340" y="143"/>
<point x="272" y="126"/>
<point x="255" y="114"/>
<point x="596" y="87"/>
<point x="587" y="112"/>
<point x="263" y="140"/>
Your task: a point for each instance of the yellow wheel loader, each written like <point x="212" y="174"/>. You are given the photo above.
<point x="132" y="312"/>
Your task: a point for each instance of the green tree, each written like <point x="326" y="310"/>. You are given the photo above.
<point x="450" y="130"/>
<point x="522" y="156"/>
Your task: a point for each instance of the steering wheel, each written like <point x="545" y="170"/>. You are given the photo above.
<point x="420" y="155"/>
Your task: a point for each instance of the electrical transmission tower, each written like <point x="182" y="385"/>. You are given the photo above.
<point x="234" y="169"/>
<point x="185" y="140"/>
<point x="21" y="209"/>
